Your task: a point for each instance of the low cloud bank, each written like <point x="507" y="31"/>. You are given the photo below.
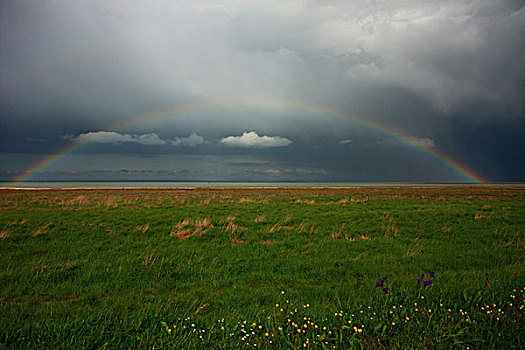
<point x="423" y="142"/>
<point x="150" y="139"/>
<point x="253" y="140"/>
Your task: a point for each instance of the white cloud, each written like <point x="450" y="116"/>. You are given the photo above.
<point x="252" y="139"/>
<point x="345" y="141"/>
<point x="190" y="141"/>
<point x="423" y="142"/>
<point x="150" y="139"/>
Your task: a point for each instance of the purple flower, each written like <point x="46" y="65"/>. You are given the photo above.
<point x="386" y="289"/>
<point x="431" y="274"/>
<point x="381" y="282"/>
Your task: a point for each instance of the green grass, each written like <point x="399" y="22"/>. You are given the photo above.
<point x="138" y="268"/>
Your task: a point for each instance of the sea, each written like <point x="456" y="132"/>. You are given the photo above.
<point x="206" y="184"/>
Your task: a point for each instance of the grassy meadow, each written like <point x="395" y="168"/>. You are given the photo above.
<point x="263" y="268"/>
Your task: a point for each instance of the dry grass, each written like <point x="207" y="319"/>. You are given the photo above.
<point x="149" y="259"/>
<point x="268" y="242"/>
<point x="185" y="229"/>
<point x="303" y="227"/>
<point x="445" y="228"/>
<point x="414" y="249"/>
<point x="304" y="201"/>
<point x="235" y="240"/>
<point x="275" y="228"/>
<point x="5" y="234"/>
<point x="339" y="234"/>
<point x="479" y="216"/>
<point x="389" y="227"/>
<point x="142" y="228"/>
<point x="246" y="200"/>
<point x="260" y="218"/>
<point x="42" y="230"/>
<point x="97" y="198"/>
<point x="352" y="200"/>
<point x="205" y="202"/>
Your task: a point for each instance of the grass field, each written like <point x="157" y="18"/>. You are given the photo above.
<point x="263" y="268"/>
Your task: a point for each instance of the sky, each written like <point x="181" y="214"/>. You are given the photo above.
<point x="277" y="90"/>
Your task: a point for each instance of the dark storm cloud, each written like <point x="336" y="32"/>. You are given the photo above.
<point x="425" y="67"/>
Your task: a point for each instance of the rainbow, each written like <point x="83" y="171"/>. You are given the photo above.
<point x="190" y="108"/>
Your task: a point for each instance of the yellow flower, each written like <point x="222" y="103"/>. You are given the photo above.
<point x="169" y="330"/>
<point x="276" y="305"/>
<point x="266" y="334"/>
<point x="282" y="292"/>
<point x="393" y="323"/>
<point x="280" y="328"/>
